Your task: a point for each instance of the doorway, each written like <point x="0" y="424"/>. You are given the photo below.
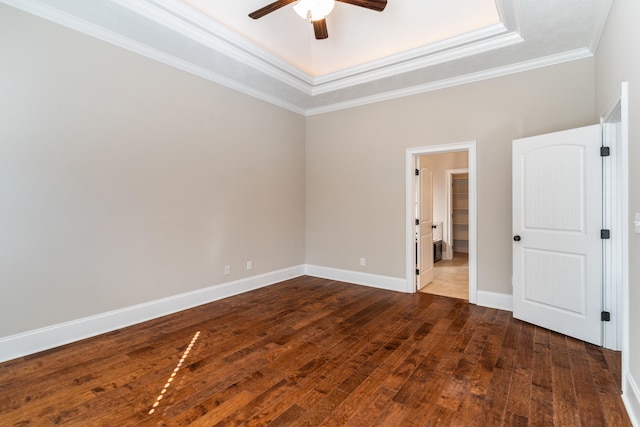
<point x="412" y="156"/>
<point x="450" y="213"/>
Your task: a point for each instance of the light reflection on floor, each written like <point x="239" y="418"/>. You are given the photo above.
<point x="174" y="373"/>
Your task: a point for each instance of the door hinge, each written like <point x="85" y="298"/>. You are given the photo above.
<point x="605" y="234"/>
<point x="417" y="172"/>
<point x="417" y="221"/>
<point x="605" y="152"/>
<point x="605" y="316"/>
<point x="417" y="271"/>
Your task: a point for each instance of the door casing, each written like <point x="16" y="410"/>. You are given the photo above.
<point x="615" y="123"/>
<point x="411" y="158"/>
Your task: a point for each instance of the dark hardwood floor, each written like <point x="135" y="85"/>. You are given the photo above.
<point x="310" y="352"/>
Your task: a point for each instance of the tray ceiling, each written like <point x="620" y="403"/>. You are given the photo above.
<point x="412" y="46"/>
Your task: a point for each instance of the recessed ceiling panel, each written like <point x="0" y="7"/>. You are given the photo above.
<point x="356" y="35"/>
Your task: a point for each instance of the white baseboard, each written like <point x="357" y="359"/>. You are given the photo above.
<point x="631" y="399"/>
<point x="49" y="337"/>
<point x="359" y="278"/>
<point x="495" y="300"/>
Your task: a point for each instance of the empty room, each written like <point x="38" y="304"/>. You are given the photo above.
<point x="238" y="214"/>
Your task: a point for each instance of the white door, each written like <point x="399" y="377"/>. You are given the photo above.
<point x="557" y="210"/>
<point x="425" y="225"/>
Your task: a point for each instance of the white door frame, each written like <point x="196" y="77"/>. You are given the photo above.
<point x="448" y="231"/>
<point x="410" y="164"/>
<point x="615" y="134"/>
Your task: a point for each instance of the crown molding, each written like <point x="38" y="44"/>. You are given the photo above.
<point x="456" y="81"/>
<point x="437" y="53"/>
<point x="189" y="22"/>
<point x="260" y="74"/>
<point x="417" y="53"/>
<point x="184" y="20"/>
<point x="510" y="13"/>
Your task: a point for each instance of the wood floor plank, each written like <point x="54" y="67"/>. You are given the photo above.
<point x="541" y="408"/>
<point x="564" y="391"/>
<point x="392" y="415"/>
<point x="607" y="386"/>
<point x="587" y="396"/>
<point x="497" y="395"/>
<point x="469" y="410"/>
<point x="316" y="352"/>
<point x="370" y="382"/>
<point x="481" y="377"/>
<point x="519" y="400"/>
<point x="370" y="411"/>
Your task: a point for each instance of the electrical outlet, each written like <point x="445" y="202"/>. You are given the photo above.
<point x="249" y="265"/>
<point x="227" y="270"/>
<point x="363" y="262"/>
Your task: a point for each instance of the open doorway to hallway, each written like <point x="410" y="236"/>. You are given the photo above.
<point x="411" y="164"/>
<point x="450" y="277"/>
<point x="450" y="215"/>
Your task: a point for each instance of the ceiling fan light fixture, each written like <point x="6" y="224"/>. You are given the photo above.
<point x="314" y="9"/>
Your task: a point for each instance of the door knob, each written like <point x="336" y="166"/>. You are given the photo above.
<point x="516" y="238"/>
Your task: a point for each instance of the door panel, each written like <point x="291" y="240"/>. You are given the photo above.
<point x="425" y="225"/>
<point x="557" y="199"/>
<point x="554" y="279"/>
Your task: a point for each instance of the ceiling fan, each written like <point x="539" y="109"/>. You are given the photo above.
<point x="316" y="11"/>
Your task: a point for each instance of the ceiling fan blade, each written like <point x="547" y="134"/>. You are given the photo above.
<point x="320" y="29"/>
<point x="269" y="8"/>
<point x="377" y="5"/>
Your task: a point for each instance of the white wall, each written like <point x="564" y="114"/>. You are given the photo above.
<point x="355" y="164"/>
<point x="123" y="180"/>
<point x="617" y="60"/>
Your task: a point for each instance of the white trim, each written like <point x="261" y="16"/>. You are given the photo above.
<point x="41" y="339"/>
<point x="183" y="20"/>
<point x="631" y="398"/>
<point x="624" y="207"/>
<point x="410" y="158"/>
<point x="510" y="13"/>
<point x="613" y="249"/>
<point x="456" y="81"/>
<point x="397" y="284"/>
<point x="189" y="22"/>
<point x="495" y="300"/>
<point x="447" y="50"/>
<point x="449" y="221"/>
<point x="618" y="283"/>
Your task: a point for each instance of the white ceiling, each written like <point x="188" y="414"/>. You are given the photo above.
<point x="412" y="46"/>
<point x="356" y="35"/>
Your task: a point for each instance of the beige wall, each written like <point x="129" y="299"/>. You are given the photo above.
<point x="355" y="164"/>
<point x="617" y="60"/>
<point x="123" y="180"/>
